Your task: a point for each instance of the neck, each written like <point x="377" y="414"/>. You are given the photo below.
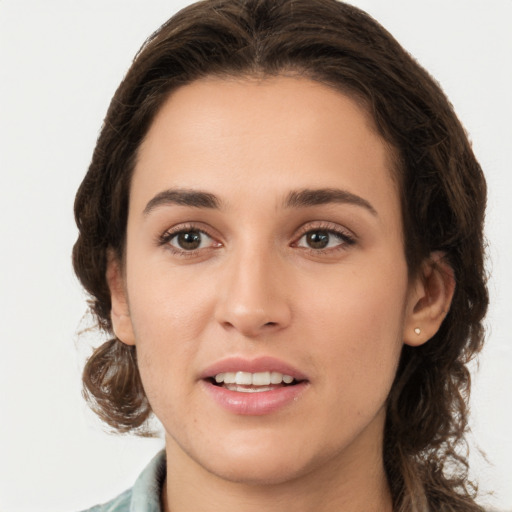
<point x="355" y="482"/>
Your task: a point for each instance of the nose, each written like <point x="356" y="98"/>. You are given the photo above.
<point x="253" y="295"/>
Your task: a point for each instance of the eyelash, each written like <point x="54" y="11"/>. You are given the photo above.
<point x="346" y="238"/>
<point x="166" y="238"/>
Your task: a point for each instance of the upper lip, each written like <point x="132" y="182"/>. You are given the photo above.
<point x="255" y="365"/>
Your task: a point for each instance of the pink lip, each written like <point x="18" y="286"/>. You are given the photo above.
<point x="253" y="404"/>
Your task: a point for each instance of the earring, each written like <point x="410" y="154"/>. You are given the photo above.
<point x="417" y="331"/>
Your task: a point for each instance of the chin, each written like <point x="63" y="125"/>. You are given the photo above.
<point x="259" y="472"/>
<point x="261" y="460"/>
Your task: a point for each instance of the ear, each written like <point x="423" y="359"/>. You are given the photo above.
<point x="429" y="300"/>
<point x="120" y="313"/>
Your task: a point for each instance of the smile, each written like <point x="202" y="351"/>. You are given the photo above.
<point x="246" y="382"/>
<point x="254" y="387"/>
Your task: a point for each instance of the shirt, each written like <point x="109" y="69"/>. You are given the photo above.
<point x="145" y="494"/>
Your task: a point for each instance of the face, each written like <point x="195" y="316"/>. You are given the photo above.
<point x="264" y="245"/>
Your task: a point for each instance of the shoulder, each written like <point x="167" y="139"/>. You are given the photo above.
<point x="119" y="504"/>
<point x="144" y="496"/>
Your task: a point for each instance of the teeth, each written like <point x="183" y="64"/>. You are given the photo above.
<point x="252" y="379"/>
<point x="229" y="378"/>
<point x="276" y="378"/>
<point x="260" y="379"/>
<point x="245" y="389"/>
<point x="244" y="378"/>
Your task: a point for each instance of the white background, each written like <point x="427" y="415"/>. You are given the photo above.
<point x="60" y="62"/>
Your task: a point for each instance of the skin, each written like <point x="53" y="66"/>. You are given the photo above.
<point x="257" y="287"/>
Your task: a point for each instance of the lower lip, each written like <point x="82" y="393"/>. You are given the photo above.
<point x="255" y="404"/>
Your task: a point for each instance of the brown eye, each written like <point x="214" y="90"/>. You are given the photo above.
<point x="318" y="239"/>
<point x="190" y="240"/>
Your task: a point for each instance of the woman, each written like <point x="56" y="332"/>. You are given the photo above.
<point x="281" y="228"/>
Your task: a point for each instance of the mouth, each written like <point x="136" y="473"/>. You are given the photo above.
<point x="254" y="387"/>
<point x="247" y="382"/>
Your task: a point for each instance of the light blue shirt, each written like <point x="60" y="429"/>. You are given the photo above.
<point x="145" y="494"/>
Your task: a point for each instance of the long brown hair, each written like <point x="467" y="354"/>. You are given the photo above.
<point x="443" y="196"/>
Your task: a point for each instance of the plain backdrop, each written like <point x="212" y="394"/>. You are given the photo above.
<point x="60" y="62"/>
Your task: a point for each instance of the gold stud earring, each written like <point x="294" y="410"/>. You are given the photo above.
<point x="417" y="331"/>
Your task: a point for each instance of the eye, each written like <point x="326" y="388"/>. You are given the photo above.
<point x="322" y="239"/>
<point x="188" y="240"/>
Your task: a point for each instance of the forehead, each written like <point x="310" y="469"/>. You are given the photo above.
<point x="223" y="106"/>
<point x="267" y="133"/>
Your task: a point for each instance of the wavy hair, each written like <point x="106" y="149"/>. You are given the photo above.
<point x="442" y="191"/>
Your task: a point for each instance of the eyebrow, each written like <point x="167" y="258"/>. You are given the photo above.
<point x="315" y="197"/>
<point x="183" y="197"/>
<point x="295" y="199"/>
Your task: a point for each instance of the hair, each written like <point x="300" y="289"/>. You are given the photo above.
<point x="442" y="193"/>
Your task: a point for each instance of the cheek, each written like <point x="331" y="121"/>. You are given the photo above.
<point x="168" y="303"/>
<point x="168" y="316"/>
<point x="359" y="333"/>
